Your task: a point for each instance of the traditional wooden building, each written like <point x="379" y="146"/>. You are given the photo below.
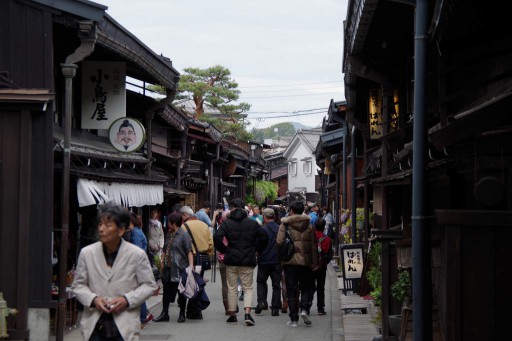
<point x="57" y="60"/>
<point x="428" y="87"/>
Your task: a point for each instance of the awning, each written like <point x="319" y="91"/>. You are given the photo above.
<point x="332" y="138"/>
<point x="298" y="190"/>
<point x="175" y="191"/>
<point x="92" y="192"/>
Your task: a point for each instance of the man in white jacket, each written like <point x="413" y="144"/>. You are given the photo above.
<point x="113" y="278"/>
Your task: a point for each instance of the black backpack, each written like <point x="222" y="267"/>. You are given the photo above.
<point x="286" y="249"/>
<point x="324" y="258"/>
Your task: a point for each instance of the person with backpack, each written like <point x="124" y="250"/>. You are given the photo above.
<point x="325" y="252"/>
<point x="299" y="268"/>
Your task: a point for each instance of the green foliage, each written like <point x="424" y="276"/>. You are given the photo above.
<point x="213" y="85"/>
<point x="249" y="199"/>
<point x="374" y="273"/>
<point x="263" y="190"/>
<point x="400" y="289"/>
<point x="236" y="130"/>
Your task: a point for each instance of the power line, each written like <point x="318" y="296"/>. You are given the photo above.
<point x="275" y="86"/>
<point x="329" y="87"/>
<point x="320" y="93"/>
<point x="287" y="116"/>
<point x="284" y="112"/>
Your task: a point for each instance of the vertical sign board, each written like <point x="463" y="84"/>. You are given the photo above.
<point x="352" y="265"/>
<point x="103" y="93"/>
<point x="375" y="113"/>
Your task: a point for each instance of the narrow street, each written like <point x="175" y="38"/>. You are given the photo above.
<point x="214" y="326"/>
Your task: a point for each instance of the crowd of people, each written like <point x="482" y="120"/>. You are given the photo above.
<point x="115" y="274"/>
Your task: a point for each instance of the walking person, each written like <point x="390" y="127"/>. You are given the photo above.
<point x="170" y="288"/>
<point x="299" y="269"/>
<point x="244" y="238"/>
<point x="269" y="266"/>
<point x="137" y="237"/>
<point x="200" y="234"/>
<point x="113" y="278"/>
<point x="204" y="213"/>
<point x="178" y="256"/>
<point x="155" y="235"/>
<point x="324" y="248"/>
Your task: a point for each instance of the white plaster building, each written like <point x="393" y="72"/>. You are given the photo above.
<point x="302" y="172"/>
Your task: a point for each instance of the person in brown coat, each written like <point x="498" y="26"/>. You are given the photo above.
<point x="298" y="271"/>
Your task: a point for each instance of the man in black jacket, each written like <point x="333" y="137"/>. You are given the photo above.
<point x="244" y="237"/>
<point x="269" y="266"/>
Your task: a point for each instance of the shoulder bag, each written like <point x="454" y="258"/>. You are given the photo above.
<point x="201" y="258"/>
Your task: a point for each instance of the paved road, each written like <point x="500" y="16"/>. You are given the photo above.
<point x="213" y="327"/>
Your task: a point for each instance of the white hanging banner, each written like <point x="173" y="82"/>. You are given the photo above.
<point x="103" y="93"/>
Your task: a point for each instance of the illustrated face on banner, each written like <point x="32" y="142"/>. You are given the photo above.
<point x="127" y="134"/>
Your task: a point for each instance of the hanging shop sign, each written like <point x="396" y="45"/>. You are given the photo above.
<point x="127" y="134"/>
<point x="375" y="113"/>
<point x="103" y="94"/>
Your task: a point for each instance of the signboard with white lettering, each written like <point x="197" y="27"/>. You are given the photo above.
<point x="103" y="93"/>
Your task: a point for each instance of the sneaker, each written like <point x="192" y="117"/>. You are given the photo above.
<point x="258" y="309"/>
<point x="292" y="323"/>
<point x="321" y="311"/>
<point x="249" y="321"/>
<point x="275" y="312"/>
<point x="149" y="317"/>
<point x="305" y="318"/>
<point x="232" y="319"/>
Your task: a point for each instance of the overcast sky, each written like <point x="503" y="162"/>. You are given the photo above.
<point x="286" y="55"/>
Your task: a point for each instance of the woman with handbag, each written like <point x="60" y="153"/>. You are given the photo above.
<point x="177" y="257"/>
<point x="165" y="270"/>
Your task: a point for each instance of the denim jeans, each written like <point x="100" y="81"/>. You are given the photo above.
<point x="143" y="312"/>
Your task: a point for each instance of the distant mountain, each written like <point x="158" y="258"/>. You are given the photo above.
<point x="278" y="130"/>
<point x="298" y="126"/>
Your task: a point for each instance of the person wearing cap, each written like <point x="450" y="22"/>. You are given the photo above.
<point x="269" y="266"/>
<point x="313" y="212"/>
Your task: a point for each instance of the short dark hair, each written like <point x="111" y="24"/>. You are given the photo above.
<point x="297" y="207"/>
<point x="135" y="219"/>
<point x="320" y="224"/>
<point x="219" y="206"/>
<point x="176" y="207"/>
<point x="207" y="204"/>
<point x="175" y="218"/>
<point x="112" y="212"/>
<point x="237" y="203"/>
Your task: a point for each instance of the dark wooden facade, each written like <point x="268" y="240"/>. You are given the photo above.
<point x="468" y="90"/>
<point x="26" y="210"/>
